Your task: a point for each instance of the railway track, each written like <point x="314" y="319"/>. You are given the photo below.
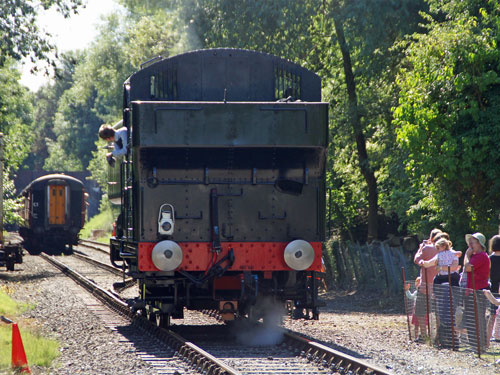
<point x="94" y="245"/>
<point x="230" y="353"/>
<point x="326" y="359"/>
<point x="164" y="347"/>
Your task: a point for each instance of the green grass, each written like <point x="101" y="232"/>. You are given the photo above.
<point x="104" y="221"/>
<point x="39" y="351"/>
<point x="9" y="307"/>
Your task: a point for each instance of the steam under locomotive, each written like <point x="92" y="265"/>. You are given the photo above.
<point x="222" y="191"/>
<point x="53" y="213"/>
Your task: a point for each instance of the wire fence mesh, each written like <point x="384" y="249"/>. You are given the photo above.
<point x="376" y="266"/>
<point x="453" y="317"/>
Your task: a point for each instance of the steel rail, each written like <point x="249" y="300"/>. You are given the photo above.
<point x="127" y="283"/>
<point x="203" y="361"/>
<point x="99" y="246"/>
<point x="332" y="358"/>
<point x="323" y="355"/>
<point x="97" y="263"/>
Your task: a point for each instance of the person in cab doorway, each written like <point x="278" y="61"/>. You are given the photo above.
<point x="119" y="139"/>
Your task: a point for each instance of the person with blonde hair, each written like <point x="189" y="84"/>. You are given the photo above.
<point x="446" y="257"/>
<point x="446" y="263"/>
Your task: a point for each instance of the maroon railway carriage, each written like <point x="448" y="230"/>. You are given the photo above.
<point x="53" y="213"/>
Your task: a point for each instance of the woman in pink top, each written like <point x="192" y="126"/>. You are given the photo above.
<point x="477" y="265"/>
<point x="425" y="252"/>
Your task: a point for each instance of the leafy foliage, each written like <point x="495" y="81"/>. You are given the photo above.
<point x="16" y="124"/>
<point x="370" y="29"/>
<point x="15" y="115"/>
<point x="98" y="165"/>
<point x="427" y="105"/>
<point x="448" y="118"/>
<point x="93" y="98"/>
<point x="20" y="36"/>
<point x="152" y="36"/>
<point x="45" y="108"/>
<point x="278" y="27"/>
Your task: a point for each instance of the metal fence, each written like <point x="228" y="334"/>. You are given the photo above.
<point x="375" y="266"/>
<point x="453" y="317"/>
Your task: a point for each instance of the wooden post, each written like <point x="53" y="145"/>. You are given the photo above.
<point x="452" y="315"/>
<point x="478" y="342"/>
<point x="427" y="315"/>
<point x="406" y="302"/>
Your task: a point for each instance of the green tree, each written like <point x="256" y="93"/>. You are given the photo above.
<point x="15" y="115"/>
<point x="16" y="123"/>
<point x="20" y="36"/>
<point x="45" y="107"/>
<point x="355" y="57"/>
<point x="448" y="117"/>
<point x="279" y="27"/>
<point x="152" y="36"/>
<point x="94" y="97"/>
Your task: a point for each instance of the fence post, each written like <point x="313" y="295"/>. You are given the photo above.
<point x="406" y="302"/>
<point x="452" y="315"/>
<point x="329" y="211"/>
<point x="475" y="313"/>
<point x="427" y="313"/>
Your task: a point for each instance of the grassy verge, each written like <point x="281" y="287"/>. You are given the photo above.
<point x="102" y="222"/>
<point x="40" y="351"/>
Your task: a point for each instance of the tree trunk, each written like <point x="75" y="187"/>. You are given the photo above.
<point x="355" y="119"/>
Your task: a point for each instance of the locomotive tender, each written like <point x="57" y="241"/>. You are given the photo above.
<point x="222" y="190"/>
<point x="53" y="213"/>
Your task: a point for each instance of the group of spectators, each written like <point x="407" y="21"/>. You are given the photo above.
<point x="439" y="265"/>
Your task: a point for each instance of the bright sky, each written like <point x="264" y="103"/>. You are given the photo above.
<point x="69" y="34"/>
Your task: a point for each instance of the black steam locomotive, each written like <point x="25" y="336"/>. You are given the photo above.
<point x="222" y="190"/>
<point x="53" y="214"/>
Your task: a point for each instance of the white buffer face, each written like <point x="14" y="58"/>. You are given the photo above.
<point x="167" y="255"/>
<point x="299" y="255"/>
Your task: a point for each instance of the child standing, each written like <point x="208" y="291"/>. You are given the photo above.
<point x="413" y="297"/>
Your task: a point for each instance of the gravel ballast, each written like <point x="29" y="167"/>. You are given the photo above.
<point x="357" y="324"/>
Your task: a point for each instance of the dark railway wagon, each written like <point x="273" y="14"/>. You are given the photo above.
<point x="53" y="213"/>
<point x="222" y="190"/>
